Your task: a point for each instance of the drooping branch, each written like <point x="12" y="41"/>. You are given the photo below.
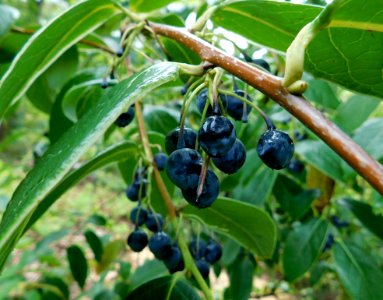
<point x="271" y="86"/>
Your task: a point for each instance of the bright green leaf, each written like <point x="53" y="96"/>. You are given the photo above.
<point x="303" y="246"/>
<point x="321" y="92"/>
<point x="110" y="252"/>
<point x="148" y="5"/>
<point x="370" y="137"/>
<point x="62" y="155"/>
<point x="358" y="272"/>
<point x="48" y="44"/>
<point x="149" y="270"/>
<point x="249" y="225"/>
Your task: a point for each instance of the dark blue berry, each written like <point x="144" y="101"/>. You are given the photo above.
<point x="275" y="148"/>
<point x="237" y="109"/>
<point x="104" y="83"/>
<point x="161" y="245"/>
<point x="184" y="89"/>
<point x="338" y="222"/>
<point x="154" y="222"/>
<point x="210" y="191"/>
<point x="173" y="141"/>
<point x="216" y="136"/>
<point x="137" y="240"/>
<point x="160" y="159"/>
<point x="137" y="190"/>
<point x="203" y="268"/>
<point x="300" y="136"/>
<point x="138" y="215"/>
<point x="296" y="166"/>
<point x="125" y="118"/>
<point x="329" y="242"/>
<point x="261" y="62"/>
<point x="140" y="174"/>
<point x="213" y="252"/>
<point x="201" y="102"/>
<point x="120" y="52"/>
<point x="197" y="248"/>
<point x="174" y="262"/>
<point x="183" y="167"/>
<point x="233" y="160"/>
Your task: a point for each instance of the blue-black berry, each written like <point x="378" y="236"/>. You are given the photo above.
<point x="203" y="268"/>
<point x="174" y="262"/>
<point x="125" y="118"/>
<point x="137" y="190"/>
<point x="197" y="248"/>
<point x="137" y="240"/>
<point x="235" y="108"/>
<point x="275" y="148"/>
<point x="173" y="141"/>
<point x="154" y="222"/>
<point x="160" y="159"/>
<point x="160" y="245"/>
<point x="138" y="215"/>
<point x="213" y="252"/>
<point x="233" y="160"/>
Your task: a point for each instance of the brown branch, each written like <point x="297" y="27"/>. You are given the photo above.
<point x="84" y="42"/>
<point x="271" y="86"/>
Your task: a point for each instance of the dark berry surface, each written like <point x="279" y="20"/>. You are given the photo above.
<point x="235" y="108"/>
<point x="137" y="240"/>
<point x="138" y="215"/>
<point x="161" y="245"/>
<point x="125" y="118"/>
<point x="183" y="167"/>
<point x="175" y="260"/>
<point x="296" y="166"/>
<point x="216" y="136"/>
<point x="203" y="268"/>
<point x="173" y="141"/>
<point x="210" y="191"/>
<point x="233" y="160"/>
<point x="201" y="102"/>
<point x="213" y="252"/>
<point x="137" y="190"/>
<point x="275" y="148"/>
<point x="197" y="247"/>
<point x="154" y="222"/>
<point x="160" y="159"/>
<point x="261" y="62"/>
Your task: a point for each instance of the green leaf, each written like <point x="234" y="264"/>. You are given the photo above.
<point x="241" y="278"/>
<point x="351" y="114"/>
<point x="8" y="16"/>
<point x="168" y="287"/>
<point x="110" y="155"/>
<point x="161" y="119"/>
<point x="151" y="269"/>
<point x="321" y="92"/>
<point x="370" y="136"/>
<point x="303" y="246"/>
<point x="111" y="252"/>
<point x="78" y="264"/>
<point x="249" y="225"/>
<point x="347" y="53"/>
<point x="95" y="244"/>
<point x="365" y="215"/>
<point x="358" y="272"/>
<point x="322" y="157"/>
<point x="148" y="5"/>
<point x="292" y="198"/>
<point x="49" y="43"/>
<point x="179" y="52"/>
<point x="62" y="155"/>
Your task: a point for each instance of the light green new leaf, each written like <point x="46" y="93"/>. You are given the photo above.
<point x="8" y="16"/>
<point x="303" y="246"/>
<point x="62" y="155"/>
<point x="47" y="45"/>
<point x="249" y="225"/>
<point x="148" y="5"/>
<point x="358" y="271"/>
<point x="349" y="52"/>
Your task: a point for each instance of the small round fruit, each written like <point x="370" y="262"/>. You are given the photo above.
<point x="197" y="248"/>
<point x="172" y="143"/>
<point x="216" y="136"/>
<point x="183" y="167"/>
<point x="203" y="268"/>
<point x="233" y="160"/>
<point x="235" y="107"/>
<point x="210" y="191"/>
<point x="201" y="102"/>
<point x="138" y="215"/>
<point x="213" y="252"/>
<point x="137" y="190"/>
<point x="161" y="245"/>
<point x="329" y="242"/>
<point x="154" y="222"/>
<point x="261" y="62"/>
<point x="125" y="118"/>
<point x="275" y="148"/>
<point x="175" y="261"/>
<point x="296" y="166"/>
<point x="137" y="240"/>
<point x="161" y="159"/>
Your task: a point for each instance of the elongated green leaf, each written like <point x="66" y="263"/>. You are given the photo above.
<point x="148" y="5"/>
<point x="348" y="52"/>
<point x="8" y="16"/>
<point x="366" y="216"/>
<point x="111" y="251"/>
<point x="168" y="287"/>
<point x="303" y="246"/>
<point x="370" y="136"/>
<point x="320" y="91"/>
<point x="95" y="244"/>
<point x="61" y="156"/>
<point x="46" y="46"/>
<point x="78" y="264"/>
<point x="241" y="278"/>
<point x="149" y="270"/>
<point x="358" y="272"/>
<point x="247" y="224"/>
